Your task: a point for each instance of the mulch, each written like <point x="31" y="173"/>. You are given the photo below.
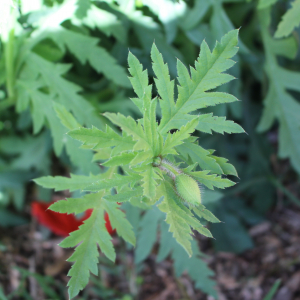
<point x="247" y="276"/>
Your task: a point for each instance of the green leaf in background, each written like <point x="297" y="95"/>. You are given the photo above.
<point x="66" y="117"/>
<point x="226" y="241"/>
<point x="83" y="158"/>
<point x="265" y="3"/>
<point x="196" y="267"/>
<point x="2" y="296"/>
<point x="290" y="20"/>
<point x="29" y="90"/>
<point x="24" y="148"/>
<point x="8" y="219"/>
<point x="147" y="32"/>
<point x="97" y="56"/>
<point x="152" y="222"/>
<point x="12" y="186"/>
<point x="107" y="22"/>
<point x="279" y="104"/>
<point x="169" y="14"/>
<point x="147" y="234"/>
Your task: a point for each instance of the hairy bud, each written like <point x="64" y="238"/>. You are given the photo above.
<point x="188" y="189"/>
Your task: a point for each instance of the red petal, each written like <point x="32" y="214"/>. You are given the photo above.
<point x="108" y="225"/>
<point x="60" y="224"/>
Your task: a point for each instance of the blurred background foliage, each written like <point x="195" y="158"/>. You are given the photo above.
<point x="74" y="52"/>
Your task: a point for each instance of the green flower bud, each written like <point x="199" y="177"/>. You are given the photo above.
<point x="157" y="161"/>
<point x="188" y="189"/>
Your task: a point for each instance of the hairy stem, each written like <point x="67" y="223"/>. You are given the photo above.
<point x="168" y="167"/>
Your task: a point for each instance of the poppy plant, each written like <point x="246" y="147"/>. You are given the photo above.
<point x="62" y="224"/>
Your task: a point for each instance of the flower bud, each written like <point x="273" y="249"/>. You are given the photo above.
<point x="157" y="161"/>
<point x="188" y="189"/>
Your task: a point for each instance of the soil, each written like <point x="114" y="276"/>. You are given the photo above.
<point x="247" y="276"/>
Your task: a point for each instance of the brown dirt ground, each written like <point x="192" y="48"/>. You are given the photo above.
<point x="248" y="276"/>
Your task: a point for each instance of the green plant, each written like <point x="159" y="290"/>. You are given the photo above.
<point x="46" y="283"/>
<point x="273" y="290"/>
<point x="33" y="78"/>
<point x="151" y="156"/>
<point x="279" y="104"/>
<point x="290" y="20"/>
<point x="51" y="36"/>
<point x="152" y="222"/>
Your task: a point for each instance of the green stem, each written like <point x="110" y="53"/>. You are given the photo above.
<point x="182" y="288"/>
<point x="168" y="167"/>
<point x="9" y="65"/>
<point x="285" y="191"/>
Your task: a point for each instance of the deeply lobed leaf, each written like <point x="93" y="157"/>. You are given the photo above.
<point x="207" y="74"/>
<point x="142" y="151"/>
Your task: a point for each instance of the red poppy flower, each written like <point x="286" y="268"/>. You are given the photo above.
<point x="62" y="224"/>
